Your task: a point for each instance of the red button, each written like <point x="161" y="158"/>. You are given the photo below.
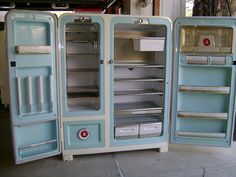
<point x="206" y="42"/>
<point x="83" y="134"/>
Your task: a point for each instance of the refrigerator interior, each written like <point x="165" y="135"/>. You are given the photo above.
<point x="204" y="82"/>
<point x="82" y="66"/>
<point x="139" y="80"/>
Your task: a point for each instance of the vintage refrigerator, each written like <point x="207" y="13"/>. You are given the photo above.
<point x="86" y="83"/>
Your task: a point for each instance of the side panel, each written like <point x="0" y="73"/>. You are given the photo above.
<point x="204" y="81"/>
<point x="31" y="42"/>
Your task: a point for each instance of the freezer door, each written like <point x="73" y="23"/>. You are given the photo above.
<point x="203" y="82"/>
<point x="31" y="53"/>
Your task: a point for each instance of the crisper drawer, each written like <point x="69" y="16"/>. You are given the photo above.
<point x="84" y="134"/>
<point x="126" y="132"/>
<point x="150" y="129"/>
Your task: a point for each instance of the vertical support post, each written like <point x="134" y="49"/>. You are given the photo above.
<point x="40" y="92"/>
<point x="29" y="94"/>
<point x="51" y="92"/>
<point x="19" y="94"/>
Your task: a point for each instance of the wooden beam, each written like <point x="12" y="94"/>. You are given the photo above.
<point x="156" y="7"/>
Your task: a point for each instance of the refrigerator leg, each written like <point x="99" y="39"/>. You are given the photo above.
<point x="163" y="149"/>
<point x="67" y="157"/>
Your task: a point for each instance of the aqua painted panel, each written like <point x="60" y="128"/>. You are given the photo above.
<point x="31" y="40"/>
<point x="204" y="81"/>
<point x="95" y="137"/>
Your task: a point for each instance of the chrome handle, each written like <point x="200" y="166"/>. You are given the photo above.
<point x="60" y="6"/>
<point x="11" y="6"/>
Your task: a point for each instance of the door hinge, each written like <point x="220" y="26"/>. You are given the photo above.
<point x="13" y="64"/>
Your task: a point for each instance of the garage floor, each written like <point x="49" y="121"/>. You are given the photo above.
<point x="180" y="161"/>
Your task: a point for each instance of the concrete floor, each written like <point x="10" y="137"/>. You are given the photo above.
<point x="180" y="161"/>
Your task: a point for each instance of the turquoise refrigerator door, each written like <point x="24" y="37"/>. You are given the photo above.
<point x="203" y="94"/>
<point x="31" y="49"/>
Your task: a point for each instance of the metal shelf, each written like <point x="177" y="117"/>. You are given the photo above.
<point x="137" y="119"/>
<point x="137" y="108"/>
<point x="83" y="103"/>
<point x="206" y="89"/>
<point x="134" y="34"/>
<point x="82" y="89"/>
<point x="38" y="144"/>
<point x="139" y="92"/>
<point x="149" y="79"/>
<point x="201" y="135"/>
<point x="79" y="54"/>
<point x="82" y="70"/>
<point x="137" y="65"/>
<point x="75" y="30"/>
<point x="141" y="119"/>
<point x="201" y="115"/>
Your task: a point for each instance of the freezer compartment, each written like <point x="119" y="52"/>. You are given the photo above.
<point x="132" y="37"/>
<point x="36" y="139"/>
<point x="149" y="44"/>
<point x="206" y="39"/>
<point x="83" y="69"/>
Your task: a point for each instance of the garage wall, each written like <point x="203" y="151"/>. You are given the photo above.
<point x="172" y="8"/>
